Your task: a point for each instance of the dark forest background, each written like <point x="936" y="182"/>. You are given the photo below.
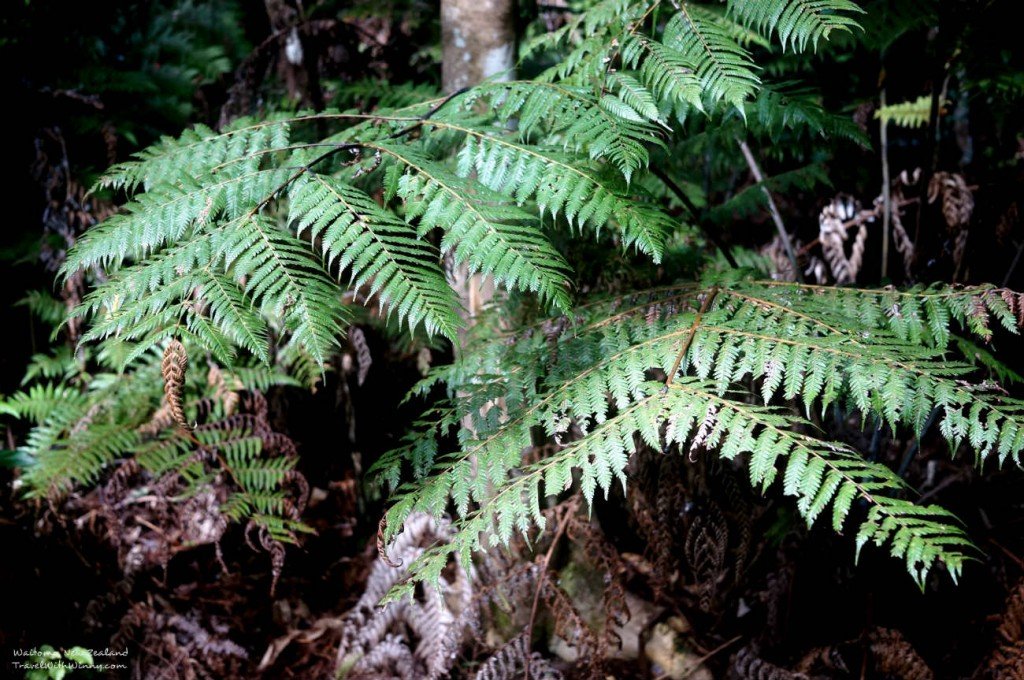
<point x="88" y="84"/>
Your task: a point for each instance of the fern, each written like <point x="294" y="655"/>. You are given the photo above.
<point x="218" y="241"/>
<point x="595" y="380"/>
<point x="723" y="67"/>
<point x="242" y="244"/>
<point x="788" y="107"/>
<point x="797" y="22"/>
<point x="379" y="250"/>
<point x="909" y="114"/>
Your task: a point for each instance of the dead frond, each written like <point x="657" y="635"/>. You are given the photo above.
<point x="173" y="368"/>
<point x="895" y="657"/>
<point x="415" y="637"/>
<point x="832" y="234"/>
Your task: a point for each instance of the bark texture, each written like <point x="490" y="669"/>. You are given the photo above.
<point x="479" y="41"/>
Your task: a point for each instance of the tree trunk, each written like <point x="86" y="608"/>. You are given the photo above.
<point x="478" y="39"/>
<point x="478" y="42"/>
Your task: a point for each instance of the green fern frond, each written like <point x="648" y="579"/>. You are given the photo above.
<point x="588" y="30"/>
<point x="668" y="74"/>
<point x="199" y="251"/>
<point x="558" y="185"/>
<point x="819" y="474"/>
<point x="77" y="458"/>
<point x="572" y="115"/>
<point x="166" y="213"/>
<point x="284" y="279"/>
<point x="796" y="22"/>
<point x="910" y="114"/>
<point x="41" y="401"/>
<point x="631" y="93"/>
<point x="482" y="228"/>
<point x="723" y="67"/>
<point x="44" y="306"/>
<point x="59" y="365"/>
<point x="787" y="106"/>
<point x="595" y="380"/>
<point x="739" y="31"/>
<point x="380" y="250"/>
<point x="197" y="152"/>
<point x="233" y="313"/>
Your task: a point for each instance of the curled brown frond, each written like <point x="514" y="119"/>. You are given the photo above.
<point x="746" y="664"/>
<point x="511" y="660"/>
<point x="833" y="237"/>
<point x="895" y="657"/>
<point x="363" y="357"/>
<point x="957" y="199"/>
<point x="415" y="636"/>
<point x="608" y="561"/>
<point x="705" y="549"/>
<point x="173" y="369"/>
<point x="1007" y="661"/>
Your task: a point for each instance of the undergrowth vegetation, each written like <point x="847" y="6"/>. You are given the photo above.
<point x="597" y="191"/>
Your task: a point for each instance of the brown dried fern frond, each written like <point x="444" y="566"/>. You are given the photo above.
<point x="781" y="267"/>
<point x="178" y="493"/>
<point x="825" y="660"/>
<point x="363" y="357"/>
<point x="1011" y="627"/>
<point x="173" y="368"/>
<point x="603" y="555"/>
<point x="173" y="646"/>
<point x="706" y="547"/>
<point x="158" y="422"/>
<point x="957" y="209"/>
<point x="569" y="624"/>
<point x="428" y="625"/>
<point x="894" y="657"/>
<point x="746" y="664"/>
<point x="832" y="234"/>
<point x="511" y="660"/>
<point x="1007" y="661"/>
<point x="957" y="199"/>
<point x="224" y="390"/>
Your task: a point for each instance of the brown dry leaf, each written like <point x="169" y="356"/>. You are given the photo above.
<point x="832" y="234"/>
<point x="173" y="368"/>
<point x="896" y="658"/>
<point x="957" y="199"/>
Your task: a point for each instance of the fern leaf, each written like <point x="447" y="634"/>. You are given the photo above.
<point x="796" y="22"/>
<point x="723" y="67"/>
<point x="796" y="342"/>
<point x="285" y="280"/>
<point x="558" y="185"/>
<point x="910" y="114"/>
<point x="482" y="228"/>
<point x="380" y="250"/>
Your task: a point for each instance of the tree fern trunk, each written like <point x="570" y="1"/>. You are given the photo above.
<point x="478" y="42"/>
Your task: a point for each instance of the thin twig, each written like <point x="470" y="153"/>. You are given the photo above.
<point x="1013" y="265"/>
<point x="951" y="479"/>
<point x="1018" y="561"/>
<point x="542" y="577"/>
<point x="886" y="186"/>
<point x="780" y="226"/>
<point x="349" y="147"/>
<point x="708" y="299"/>
<point x="692" y="668"/>
<point x="695" y="213"/>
